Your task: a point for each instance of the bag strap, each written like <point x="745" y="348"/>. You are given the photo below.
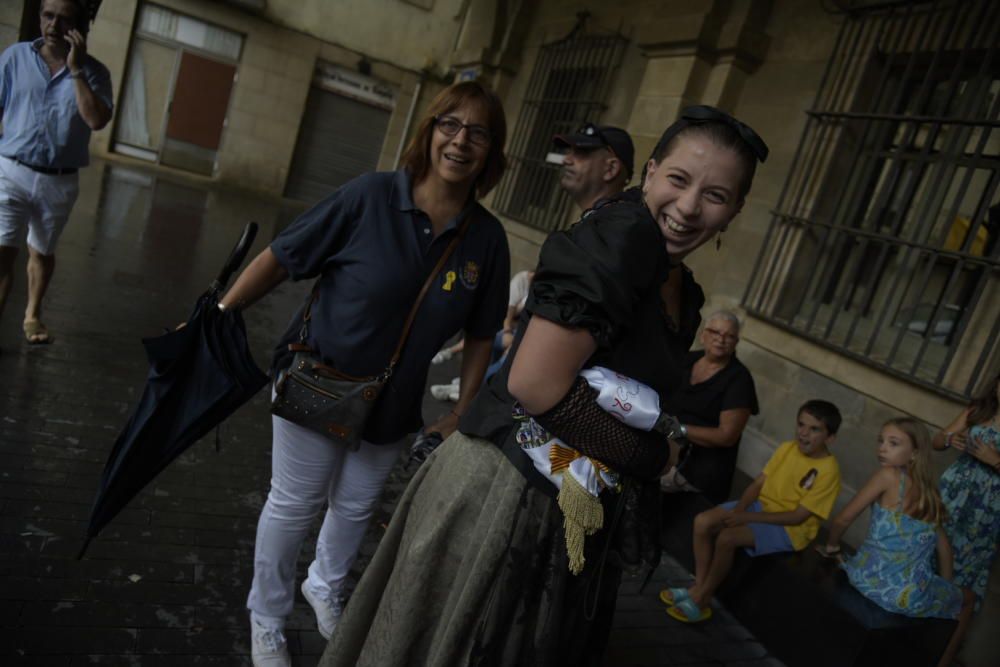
<point x="307" y="315"/>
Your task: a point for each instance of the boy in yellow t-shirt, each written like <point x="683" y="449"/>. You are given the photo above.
<point x="780" y="511"/>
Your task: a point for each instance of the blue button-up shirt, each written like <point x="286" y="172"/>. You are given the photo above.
<point x="372" y="249"/>
<point x="41" y="123"/>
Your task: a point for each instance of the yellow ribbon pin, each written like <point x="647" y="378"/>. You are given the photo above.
<point x="449" y="280"/>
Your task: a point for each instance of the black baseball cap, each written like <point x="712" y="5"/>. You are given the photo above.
<point x="601" y="136"/>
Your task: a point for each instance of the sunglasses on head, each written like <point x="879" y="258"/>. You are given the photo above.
<point x="704" y="114"/>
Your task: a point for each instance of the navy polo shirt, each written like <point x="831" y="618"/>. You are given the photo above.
<point x="372" y="249"/>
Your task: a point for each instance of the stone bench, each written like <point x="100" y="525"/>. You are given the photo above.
<point x="802" y="607"/>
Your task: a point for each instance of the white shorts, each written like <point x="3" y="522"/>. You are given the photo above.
<point x="39" y="202"/>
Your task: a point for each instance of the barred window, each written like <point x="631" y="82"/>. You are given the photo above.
<point x="884" y="245"/>
<point x="567" y="88"/>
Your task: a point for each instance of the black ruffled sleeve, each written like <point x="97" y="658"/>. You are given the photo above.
<point x="591" y="276"/>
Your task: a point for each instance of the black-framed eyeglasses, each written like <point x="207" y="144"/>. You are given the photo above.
<point x="701" y="114"/>
<point x="724" y="337"/>
<point x="449" y="126"/>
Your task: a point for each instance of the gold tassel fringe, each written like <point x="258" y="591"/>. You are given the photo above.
<point x="583" y="515"/>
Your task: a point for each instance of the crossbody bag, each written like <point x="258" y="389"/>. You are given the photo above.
<point x="319" y="397"/>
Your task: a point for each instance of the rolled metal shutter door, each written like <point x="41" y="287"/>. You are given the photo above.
<point x="340" y="138"/>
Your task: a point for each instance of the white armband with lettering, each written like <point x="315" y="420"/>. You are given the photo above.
<point x="631" y="401"/>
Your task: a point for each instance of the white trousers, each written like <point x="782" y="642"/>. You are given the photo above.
<point x="39" y="202"/>
<point x="308" y="470"/>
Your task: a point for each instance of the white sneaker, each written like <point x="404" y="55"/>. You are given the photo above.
<point x="268" y="648"/>
<point x="441" y="392"/>
<point x="442" y="356"/>
<point x="327" y="611"/>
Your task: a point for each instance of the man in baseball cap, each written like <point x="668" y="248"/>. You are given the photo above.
<point x="597" y="163"/>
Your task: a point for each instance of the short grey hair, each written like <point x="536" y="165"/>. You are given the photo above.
<point x="726" y="315"/>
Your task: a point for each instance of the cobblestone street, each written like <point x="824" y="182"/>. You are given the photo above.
<point x="166" y="582"/>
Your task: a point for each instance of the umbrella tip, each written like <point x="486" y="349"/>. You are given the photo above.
<point x="83" y="549"/>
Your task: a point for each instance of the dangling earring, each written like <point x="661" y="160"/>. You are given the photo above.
<point x="718" y="242"/>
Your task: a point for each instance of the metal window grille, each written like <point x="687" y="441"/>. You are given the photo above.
<point x="884" y="244"/>
<point x="567" y="88"/>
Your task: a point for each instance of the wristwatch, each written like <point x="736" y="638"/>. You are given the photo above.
<point x="668" y="426"/>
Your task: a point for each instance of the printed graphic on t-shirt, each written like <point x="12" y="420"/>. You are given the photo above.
<point x="810" y="479"/>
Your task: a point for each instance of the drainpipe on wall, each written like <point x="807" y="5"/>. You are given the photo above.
<point x="409" y="119"/>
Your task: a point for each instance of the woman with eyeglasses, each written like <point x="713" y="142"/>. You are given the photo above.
<point x="475" y="567"/>
<point x="370" y="247"/>
<point x="713" y="403"/>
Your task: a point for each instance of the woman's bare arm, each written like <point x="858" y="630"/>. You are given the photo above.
<point x="957" y="430"/>
<point x="261" y="276"/>
<point x="475" y="361"/>
<point x="547" y="363"/>
<point x="726" y="434"/>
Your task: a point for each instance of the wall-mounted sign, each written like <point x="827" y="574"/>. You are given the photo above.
<point x="470" y="73"/>
<point x="353" y="84"/>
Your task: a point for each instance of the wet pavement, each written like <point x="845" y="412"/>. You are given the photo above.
<point x="166" y="581"/>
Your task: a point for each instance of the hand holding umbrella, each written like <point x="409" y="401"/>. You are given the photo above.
<point x="199" y="375"/>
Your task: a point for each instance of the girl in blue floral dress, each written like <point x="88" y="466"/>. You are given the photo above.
<point x="894" y="567"/>
<point x="970" y="489"/>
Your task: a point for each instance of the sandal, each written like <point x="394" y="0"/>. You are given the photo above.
<point x="686" y="611"/>
<point x="670" y="596"/>
<point x="36" y="333"/>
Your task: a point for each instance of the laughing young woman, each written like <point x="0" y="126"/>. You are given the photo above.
<point x="474" y="569"/>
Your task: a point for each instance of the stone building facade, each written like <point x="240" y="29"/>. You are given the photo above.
<point x="915" y="300"/>
<point x="864" y="262"/>
<point x="221" y="89"/>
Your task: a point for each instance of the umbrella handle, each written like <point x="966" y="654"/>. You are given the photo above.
<point x="236" y="257"/>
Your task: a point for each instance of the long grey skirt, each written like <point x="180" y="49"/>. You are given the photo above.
<point x="473" y="571"/>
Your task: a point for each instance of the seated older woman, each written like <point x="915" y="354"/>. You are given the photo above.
<point x="714" y="404"/>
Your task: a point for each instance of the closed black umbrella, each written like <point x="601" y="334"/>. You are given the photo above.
<point x="198" y="376"/>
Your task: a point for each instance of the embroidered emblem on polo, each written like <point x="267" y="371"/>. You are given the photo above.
<point x="470" y="275"/>
<point x="449" y="280"/>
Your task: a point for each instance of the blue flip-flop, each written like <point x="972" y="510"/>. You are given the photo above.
<point x="686" y="611"/>
<point x="670" y="596"/>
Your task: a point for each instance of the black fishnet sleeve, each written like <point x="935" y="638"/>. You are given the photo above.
<point x="581" y="423"/>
